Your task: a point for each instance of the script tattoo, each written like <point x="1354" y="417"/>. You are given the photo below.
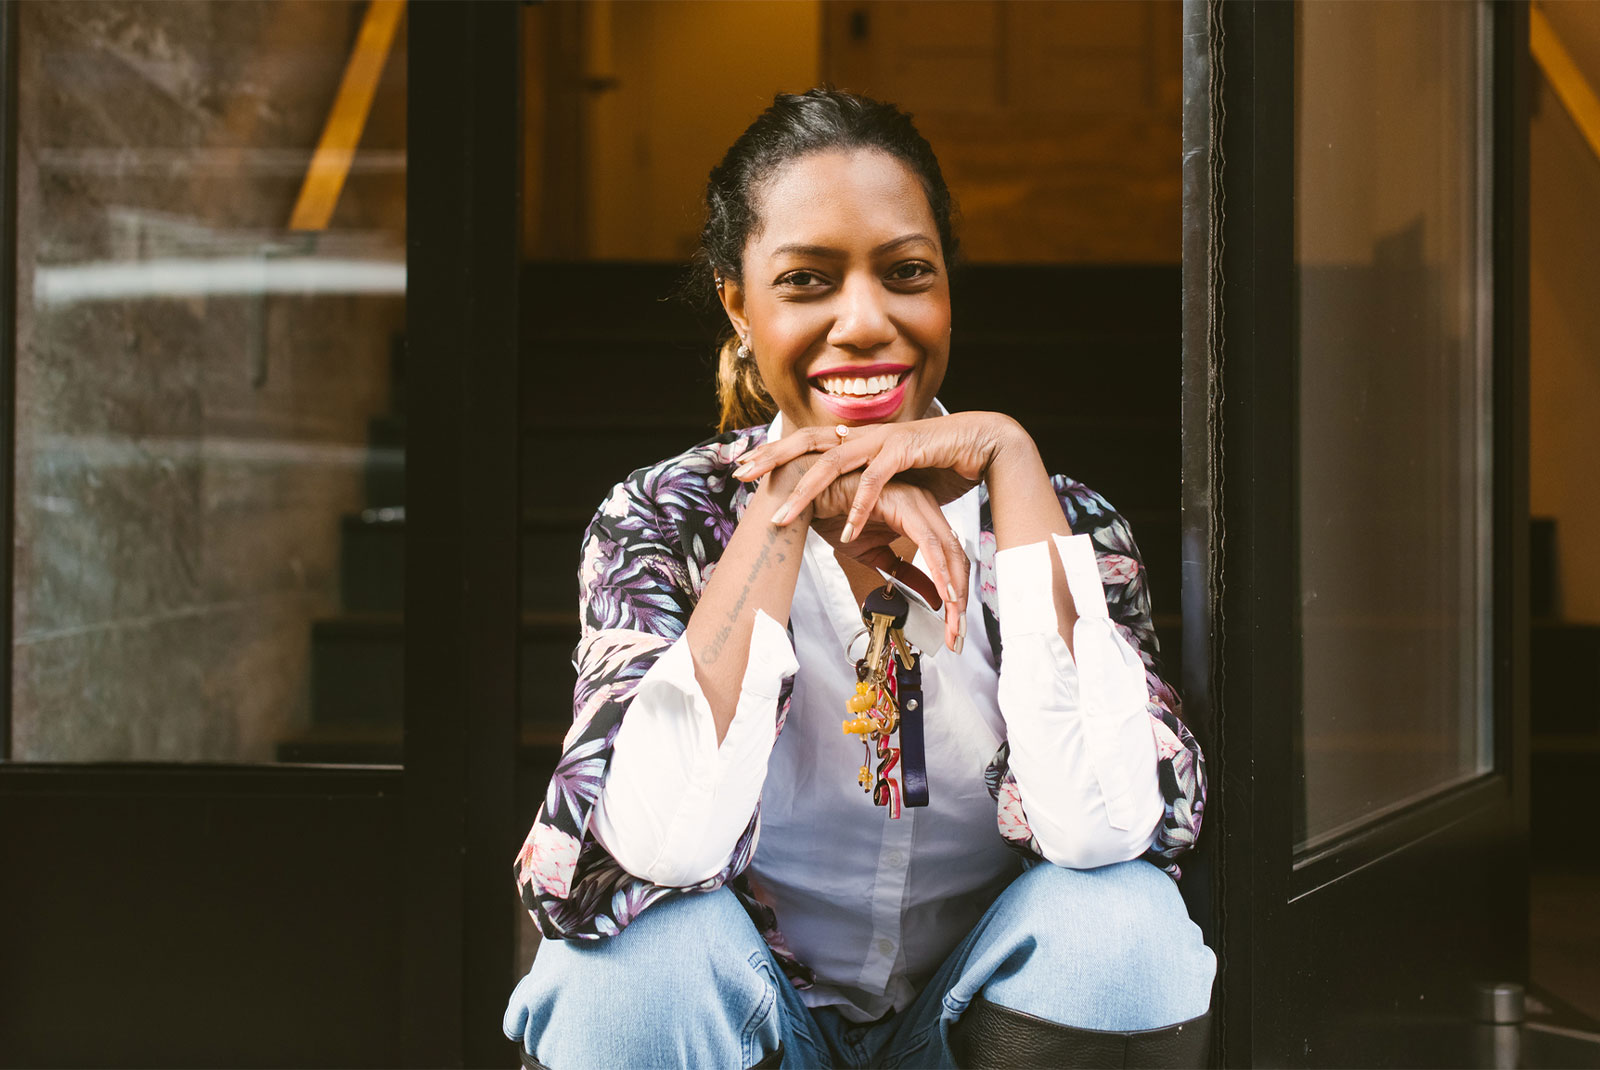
<point x="767" y="554"/>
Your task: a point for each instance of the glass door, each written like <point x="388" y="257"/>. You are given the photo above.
<point x="1355" y="428"/>
<point x="257" y="733"/>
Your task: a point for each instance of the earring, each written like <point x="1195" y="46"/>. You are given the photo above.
<point x="744" y="351"/>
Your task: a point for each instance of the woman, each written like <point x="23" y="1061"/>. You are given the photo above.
<point x="1019" y="916"/>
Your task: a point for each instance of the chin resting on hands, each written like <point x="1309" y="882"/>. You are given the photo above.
<point x="945" y="455"/>
<point x="898" y="509"/>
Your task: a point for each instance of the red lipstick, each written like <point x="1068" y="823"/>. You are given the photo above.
<point x="863" y="410"/>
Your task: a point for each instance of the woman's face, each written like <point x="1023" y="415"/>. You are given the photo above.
<point x="845" y="300"/>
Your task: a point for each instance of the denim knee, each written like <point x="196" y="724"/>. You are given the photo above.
<point x="1107" y="948"/>
<point x="689" y="982"/>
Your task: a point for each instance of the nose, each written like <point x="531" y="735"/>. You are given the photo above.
<point x="863" y="319"/>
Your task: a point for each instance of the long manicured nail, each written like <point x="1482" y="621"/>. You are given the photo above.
<point x="781" y="517"/>
<point x="961" y="626"/>
<point x="743" y="470"/>
<point x="950" y="590"/>
<point x="961" y="641"/>
<point x="848" y="533"/>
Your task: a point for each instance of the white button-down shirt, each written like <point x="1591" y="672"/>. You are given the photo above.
<point x="874" y="905"/>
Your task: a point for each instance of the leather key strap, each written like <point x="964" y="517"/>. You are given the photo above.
<point x="913" y="763"/>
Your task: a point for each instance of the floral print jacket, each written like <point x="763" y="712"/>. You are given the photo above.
<point x="647" y="556"/>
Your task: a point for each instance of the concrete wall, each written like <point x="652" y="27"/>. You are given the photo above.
<point x="183" y="457"/>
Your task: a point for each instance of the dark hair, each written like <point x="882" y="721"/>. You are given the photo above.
<point x="795" y="125"/>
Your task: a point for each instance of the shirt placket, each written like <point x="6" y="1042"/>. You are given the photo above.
<point x="888" y="898"/>
<point x="894" y="853"/>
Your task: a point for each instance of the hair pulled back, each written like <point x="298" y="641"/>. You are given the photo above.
<point x="796" y="125"/>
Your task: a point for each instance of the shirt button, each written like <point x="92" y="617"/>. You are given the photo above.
<point x="886" y="946"/>
<point x="896" y="858"/>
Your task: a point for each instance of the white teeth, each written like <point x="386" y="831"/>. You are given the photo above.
<point x="841" y="386"/>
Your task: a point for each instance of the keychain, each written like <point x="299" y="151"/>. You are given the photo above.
<point x="887" y="700"/>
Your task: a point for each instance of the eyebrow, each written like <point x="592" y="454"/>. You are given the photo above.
<point x="829" y="251"/>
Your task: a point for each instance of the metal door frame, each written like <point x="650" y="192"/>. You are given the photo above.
<point x="1241" y="671"/>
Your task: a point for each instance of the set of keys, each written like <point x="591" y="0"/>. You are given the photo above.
<point x="888" y="700"/>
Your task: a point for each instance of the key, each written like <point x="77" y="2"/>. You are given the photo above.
<point x="886" y="602"/>
<point x="885" y="611"/>
<point x="880" y="624"/>
<point x="902" y="648"/>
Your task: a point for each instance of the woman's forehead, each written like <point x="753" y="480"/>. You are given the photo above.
<point x="842" y="200"/>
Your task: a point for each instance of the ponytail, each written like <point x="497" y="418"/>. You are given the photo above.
<point x="740" y="392"/>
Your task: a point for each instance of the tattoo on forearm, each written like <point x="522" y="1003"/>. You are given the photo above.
<point x="764" y="556"/>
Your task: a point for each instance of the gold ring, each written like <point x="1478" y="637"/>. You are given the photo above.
<point x="842" y="430"/>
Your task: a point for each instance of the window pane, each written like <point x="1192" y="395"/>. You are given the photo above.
<point x="1394" y="418"/>
<point x="209" y="418"/>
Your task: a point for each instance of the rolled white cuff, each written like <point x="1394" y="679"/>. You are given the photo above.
<point x="1081" y="745"/>
<point x="674" y="803"/>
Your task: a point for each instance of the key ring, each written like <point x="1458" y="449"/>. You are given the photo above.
<point x="894" y="572"/>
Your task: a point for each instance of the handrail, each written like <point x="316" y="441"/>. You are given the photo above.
<point x="330" y="164"/>
<point x="1565" y="78"/>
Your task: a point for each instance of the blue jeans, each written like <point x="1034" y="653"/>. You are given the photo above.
<point x="691" y="983"/>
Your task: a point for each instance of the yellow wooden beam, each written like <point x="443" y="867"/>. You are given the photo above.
<point x="330" y="164"/>
<point x="1565" y="77"/>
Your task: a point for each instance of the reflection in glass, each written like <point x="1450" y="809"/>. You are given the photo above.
<point x="208" y="420"/>
<point x="1391" y="188"/>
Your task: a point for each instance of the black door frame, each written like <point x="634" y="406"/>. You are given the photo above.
<point x="1282" y="997"/>
<point x="463" y="601"/>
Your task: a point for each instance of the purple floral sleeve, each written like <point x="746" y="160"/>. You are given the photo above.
<point x="645" y="559"/>
<point x="1180" y="764"/>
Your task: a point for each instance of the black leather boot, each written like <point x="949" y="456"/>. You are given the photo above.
<point x="989" y="1035"/>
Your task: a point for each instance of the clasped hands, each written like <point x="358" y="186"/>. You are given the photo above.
<point x="885" y="481"/>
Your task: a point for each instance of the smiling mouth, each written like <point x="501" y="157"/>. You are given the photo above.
<point x="860" y="388"/>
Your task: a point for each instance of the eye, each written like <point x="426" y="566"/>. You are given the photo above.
<point x="910" y="271"/>
<point x="802" y="280"/>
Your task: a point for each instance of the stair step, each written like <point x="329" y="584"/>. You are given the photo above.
<point x="1564" y="671"/>
<point x="344" y="744"/>
<point x="372" y="567"/>
<point x="384" y="476"/>
<point x="1560" y="795"/>
<point x="372" y="561"/>
<point x="387" y="429"/>
<point x="358" y="665"/>
<point x="383" y="745"/>
<point x="568" y="469"/>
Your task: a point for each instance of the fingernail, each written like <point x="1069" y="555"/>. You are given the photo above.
<point x="781" y="517"/>
<point x="961" y="626"/>
<point x="961" y="641"/>
<point x="950" y="590"/>
<point x="848" y="532"/>
<point x="743" y="470"/>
